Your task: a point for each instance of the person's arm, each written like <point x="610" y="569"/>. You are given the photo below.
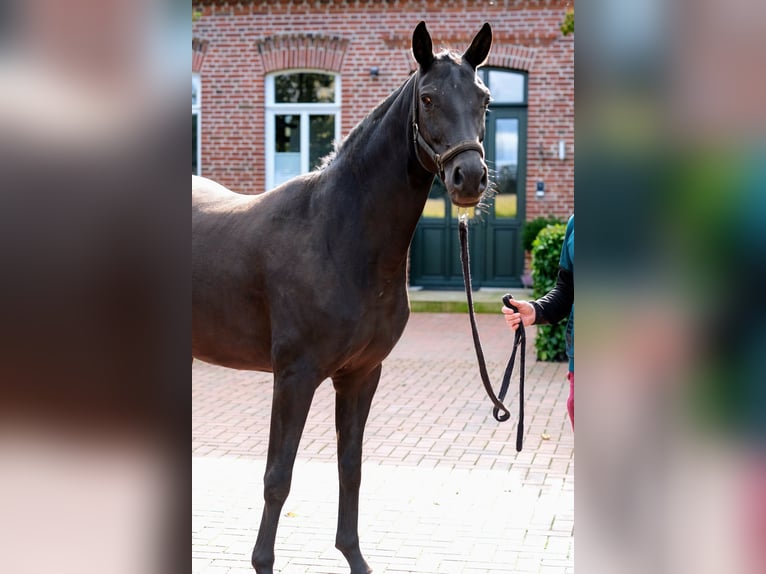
<point x="548" y="309"/>
<point x="557" y="303"/>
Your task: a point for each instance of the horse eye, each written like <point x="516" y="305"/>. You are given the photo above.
<point x="427" y="102"/>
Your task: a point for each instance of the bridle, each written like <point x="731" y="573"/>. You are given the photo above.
<point x="421" y="145"/>
<point x="500" y="412"/>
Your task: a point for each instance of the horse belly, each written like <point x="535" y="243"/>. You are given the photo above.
<point x="230" y="323"/>
<point x="224" y="336"/>
<point x="226" y="349"/>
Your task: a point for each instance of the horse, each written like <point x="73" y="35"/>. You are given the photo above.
<point x="308" y="280"/>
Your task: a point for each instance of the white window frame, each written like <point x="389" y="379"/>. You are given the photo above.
<point x="304" y="110"/>
<point x="196" y="110"/>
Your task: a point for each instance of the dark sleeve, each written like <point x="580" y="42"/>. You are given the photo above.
<point x="557" y="303"/>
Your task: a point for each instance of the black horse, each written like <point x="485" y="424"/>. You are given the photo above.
<point x="309" y="280"/>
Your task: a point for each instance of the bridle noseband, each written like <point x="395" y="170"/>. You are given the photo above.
<point x="438" y="160"/>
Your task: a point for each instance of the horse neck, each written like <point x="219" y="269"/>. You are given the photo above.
<point x="392" y="186"/>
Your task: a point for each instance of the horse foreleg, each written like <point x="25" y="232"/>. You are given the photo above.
<point x="291" y="403"/>
<point x="352" y="405"/>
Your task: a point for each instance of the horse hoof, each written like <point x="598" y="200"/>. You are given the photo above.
<point x="362" y="568"/>
<point x="262" y="568"/>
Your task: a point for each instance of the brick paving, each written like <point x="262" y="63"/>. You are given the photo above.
<point x="443" y="489"/>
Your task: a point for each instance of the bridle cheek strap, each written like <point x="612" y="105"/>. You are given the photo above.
<point x="440" y="160"/>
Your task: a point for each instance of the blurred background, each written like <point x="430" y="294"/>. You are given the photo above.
<point x="671" y="202"/>
<point x="94" y="292"/>
<point x="670" y="193"/>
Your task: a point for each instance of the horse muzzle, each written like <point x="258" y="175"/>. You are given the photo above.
<point x="466" y="178"/>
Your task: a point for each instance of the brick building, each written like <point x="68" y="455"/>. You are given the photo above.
<point x="274" y="82"/>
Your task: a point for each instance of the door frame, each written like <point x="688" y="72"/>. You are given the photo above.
<point x="493" y="224"/>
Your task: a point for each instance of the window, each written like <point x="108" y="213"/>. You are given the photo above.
<point x="506" y="138"/>
<point x="507" y="87"/>
<point x="302" y="122"/>
<point x="196" y="125"/>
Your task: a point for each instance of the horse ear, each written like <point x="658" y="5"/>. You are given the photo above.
<point x="477" y="52"/>
<point x="422" y="48"/>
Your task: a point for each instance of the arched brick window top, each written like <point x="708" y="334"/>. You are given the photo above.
<point x="508" y="51"/>
<point x="310" y="51"/>
<point x="512" y="56"/>
<point x="199" y="47"/>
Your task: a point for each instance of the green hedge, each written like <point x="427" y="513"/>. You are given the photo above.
<point x="532" y="228"/>
<point x="546" y="253"/>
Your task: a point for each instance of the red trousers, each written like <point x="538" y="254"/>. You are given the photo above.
<point x="570" y="400"/>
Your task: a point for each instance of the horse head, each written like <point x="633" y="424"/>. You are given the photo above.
<point x="448" y="114"/>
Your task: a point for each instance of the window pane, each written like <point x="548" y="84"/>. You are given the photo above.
<point x="287" y="159"/>
<point x="288" y="133"/>
<point x="436" y="206"/>
<point x="195" y="91"/>
<point x="506" y="166"/>
<point x="321" y="136"/>
<point x="195" y="159"/>
<point x="304" y="88"/>
<point x="506" y="87"/>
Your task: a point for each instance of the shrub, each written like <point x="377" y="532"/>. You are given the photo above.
<point x="567" y="26"/>
<point x="546" y="253"/>
<point x="533" y="227"/>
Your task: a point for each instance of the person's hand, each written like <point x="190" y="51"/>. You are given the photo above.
<point x="526" y="314"/>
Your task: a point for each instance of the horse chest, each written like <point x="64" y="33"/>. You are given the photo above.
<point x="380" y="328"/>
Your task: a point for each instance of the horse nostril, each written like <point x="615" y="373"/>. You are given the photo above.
<point x="457" y="177"/>
<point x="484" y="180"/>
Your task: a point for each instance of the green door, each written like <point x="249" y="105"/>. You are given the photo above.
<point x="497" y="256"/>
<point x="504" y="253"/>
<point x="435" y="255"/>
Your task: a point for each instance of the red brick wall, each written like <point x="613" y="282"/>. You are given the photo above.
<point x="245" y="38"/>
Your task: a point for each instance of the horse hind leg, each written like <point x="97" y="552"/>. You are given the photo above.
<point x="352" y="406"/>
<point x="293" y="394"/>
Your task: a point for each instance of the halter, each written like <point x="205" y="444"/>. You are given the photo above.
<point x="437" y="160"/>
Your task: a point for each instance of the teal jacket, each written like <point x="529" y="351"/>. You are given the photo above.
<point x="559" y="301"/>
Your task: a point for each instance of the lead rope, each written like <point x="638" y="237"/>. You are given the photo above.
<point x="499" y="411"/>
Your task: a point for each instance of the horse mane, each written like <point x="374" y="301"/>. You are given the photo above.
<point x="351" y="141"/>
<point x="355" y="136"/>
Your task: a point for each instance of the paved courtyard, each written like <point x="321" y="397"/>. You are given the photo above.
<point x="443" y="489"/>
